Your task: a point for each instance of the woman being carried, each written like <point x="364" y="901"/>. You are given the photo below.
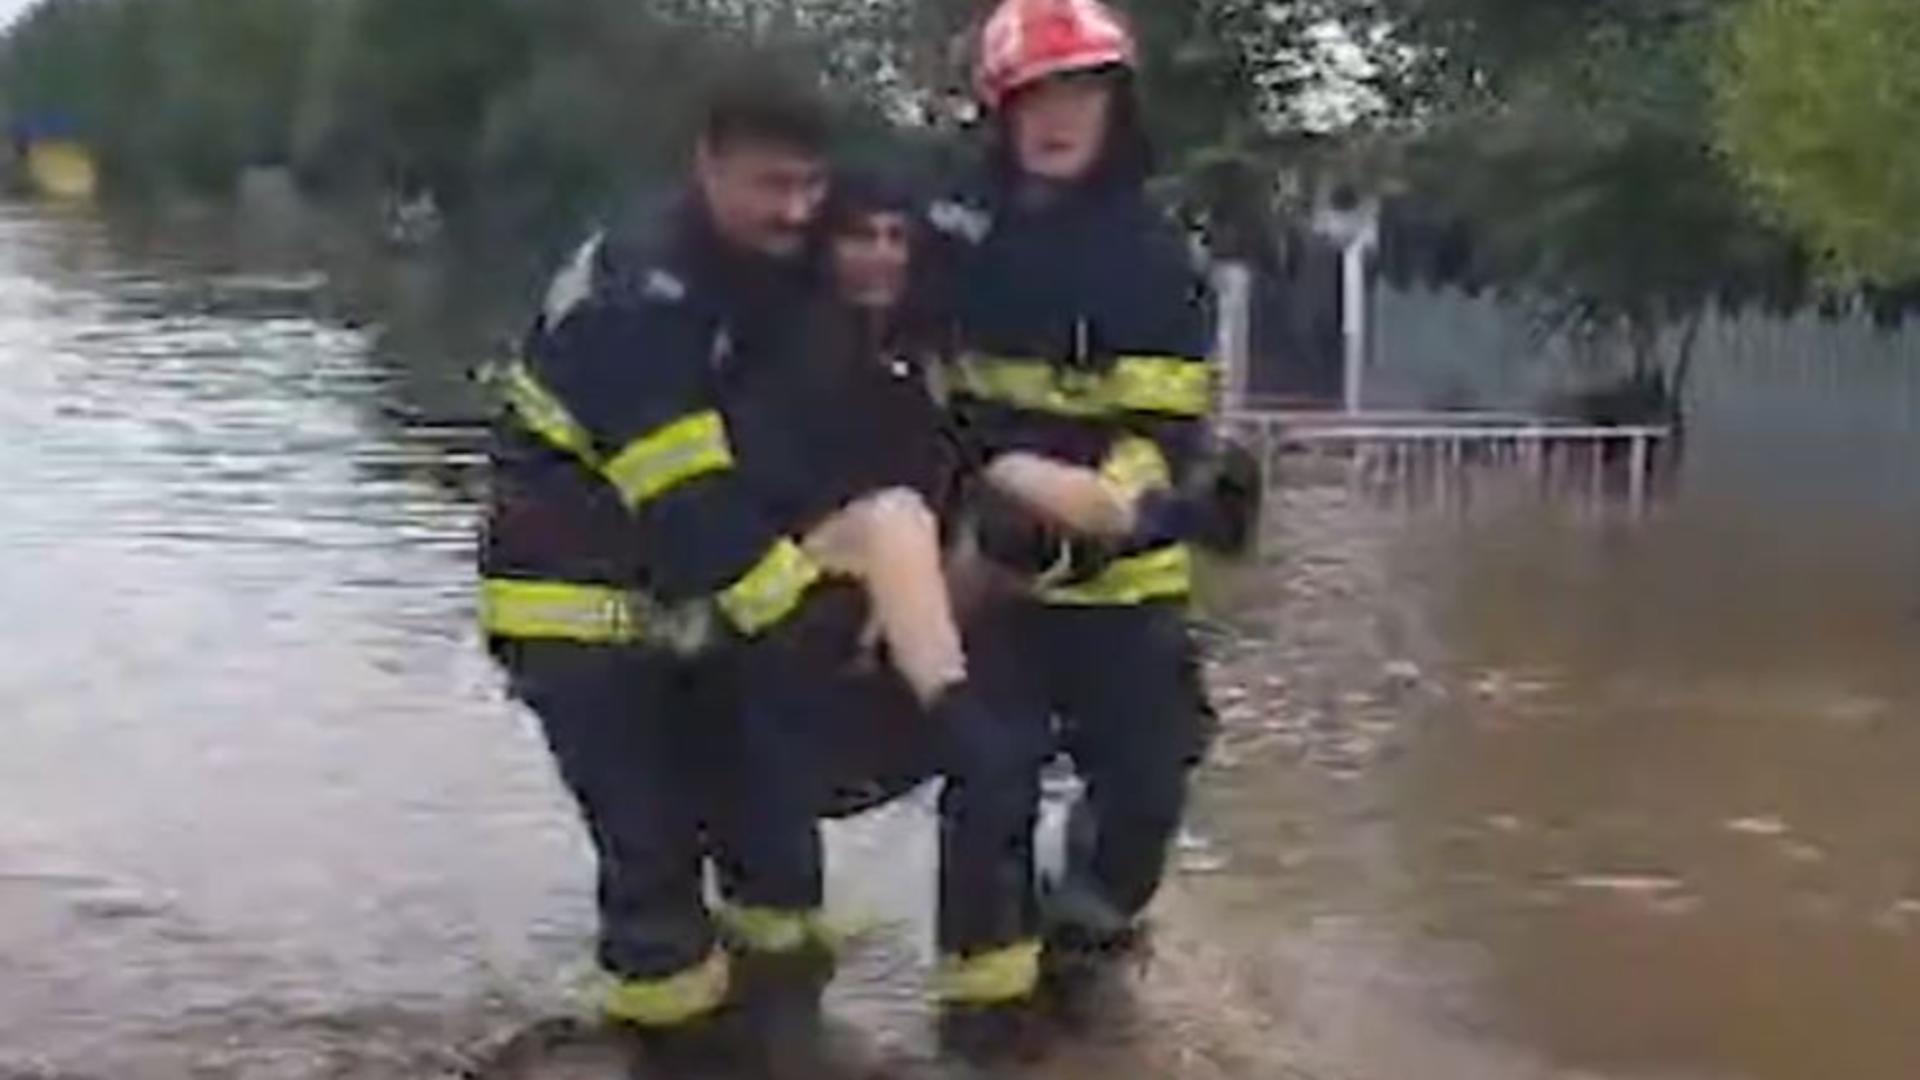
<point x="869" y="418"/>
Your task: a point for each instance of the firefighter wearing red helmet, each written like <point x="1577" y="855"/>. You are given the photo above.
<point x="1084" y="339"/>
<point x="1026" y="42"/>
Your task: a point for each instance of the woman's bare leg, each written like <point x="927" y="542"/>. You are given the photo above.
<point x="1078" y="499"/>
<point x="891" y="542"/>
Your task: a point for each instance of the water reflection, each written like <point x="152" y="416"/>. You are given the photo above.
<point x="1674" y="802"/>
<point x="256" y="767"/>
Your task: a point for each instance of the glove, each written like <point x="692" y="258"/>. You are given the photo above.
<point x="1235" y="494"/>
<point x="1218" y="507"/>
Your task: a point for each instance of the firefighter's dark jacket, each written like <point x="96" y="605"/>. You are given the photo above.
<point x="620" y="495"/>
<point x="1084" y="334"/>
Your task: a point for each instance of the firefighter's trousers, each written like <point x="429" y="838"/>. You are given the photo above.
<point x="1114" y="686"/>
<point x="670" y="770"/>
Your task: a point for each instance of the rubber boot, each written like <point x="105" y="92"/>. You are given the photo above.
<point x="780" y="999"/>
<point x="986" y="1040"/>
<point x="711" y="1048"/>
<point x="1087" y="972"/>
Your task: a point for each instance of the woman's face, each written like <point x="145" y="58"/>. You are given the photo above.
<point x="872" y="256"/>
<point x="1060" y="126"/>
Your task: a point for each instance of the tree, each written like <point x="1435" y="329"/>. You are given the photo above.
<point x="170" y="92"/>
<point x="1577" y="146"/>
<point x="1816" y="102"/>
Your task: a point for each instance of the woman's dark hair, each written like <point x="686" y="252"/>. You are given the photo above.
<point x="1127" y="158"/>
<point x="860" y="193"/>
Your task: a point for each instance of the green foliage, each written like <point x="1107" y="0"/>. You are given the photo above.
<point x="171" y="91"/>
<point x="1577" y="145"/>
<point x="1817" y="101"/>
<point x="531" y="111"/>
<point x="1575" y="139"/>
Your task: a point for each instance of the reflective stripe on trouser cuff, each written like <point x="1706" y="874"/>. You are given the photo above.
<point x="1161" y="574"/>
<point x="1163" y="385"/>
<point x="685" y="450"/>
<point x="1134" y="466"/>
<point x="989" y="978"/>
<point x="542" y="412"/>
<point x="557" y="611"/>
<point x="674" y="1000"/>
<point x="775" y="930"/>
<point x="772" y="590"/>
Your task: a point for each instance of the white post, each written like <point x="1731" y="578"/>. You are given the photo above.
<point x="1642" y="466"/>
<point x="1233" y="346"/>
<point x="1353" y="324"/>
<point x="1354" y="225"/>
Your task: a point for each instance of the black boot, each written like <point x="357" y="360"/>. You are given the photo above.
<point x="990" y="1039"/>
<point x="1092" y="951"/>
<point x="1087" y="975"/>
<point x="711" y="1048"/>
<point x="995" y="1040"/>
<point x="780" y="1000"/>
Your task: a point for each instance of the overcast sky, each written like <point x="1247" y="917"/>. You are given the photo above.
<point x="10" y="8"/>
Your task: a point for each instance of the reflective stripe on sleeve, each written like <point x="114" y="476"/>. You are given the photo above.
<point x="1161" y="574"/>
<point x="772" y="590"/>
<point x="542" y="413"/>
<point x="1170" y="386"/>
<point x="662" y="460"/>
<point x="558" y="611"/>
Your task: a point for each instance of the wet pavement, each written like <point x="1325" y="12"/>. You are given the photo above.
<point x="1502" y="792"/>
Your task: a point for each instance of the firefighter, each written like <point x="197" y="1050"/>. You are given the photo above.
<point x="1083" y="338"/>
<point x="648" y="605"/>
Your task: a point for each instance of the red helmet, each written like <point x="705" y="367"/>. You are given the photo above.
<point x="1026" y="41"/>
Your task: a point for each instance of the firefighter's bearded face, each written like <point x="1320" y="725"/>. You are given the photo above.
<point x="872" y="256"/>
<point x="1060" y="125"/>
<point x="763" y="195"/>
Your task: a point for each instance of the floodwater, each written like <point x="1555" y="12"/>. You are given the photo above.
<point x="1501" y="793"/>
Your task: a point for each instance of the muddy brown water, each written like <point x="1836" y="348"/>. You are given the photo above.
<point x="1504" y="792"/>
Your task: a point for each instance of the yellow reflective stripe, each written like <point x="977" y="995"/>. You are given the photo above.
<point x="1162" y="574"/>
<point x="1171" y="385"/>
<point x="772" y="590"/>
<point x="672" y="1001"/>
<point x="1135" y="465"/>
<point x="557" y="611"/>
<point x="989" y="978"/>
<point x="543" y="413"/>
<point x="1027" y="384"/>
<point x="1164" y="385"/>
<point x="775" y="930"/>
<point x="685" y="450"/>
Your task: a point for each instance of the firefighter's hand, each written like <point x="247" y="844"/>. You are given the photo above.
<point x="1230" y="484"/>
<point x="1218" y="507"/>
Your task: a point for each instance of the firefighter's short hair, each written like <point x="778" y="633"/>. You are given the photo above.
<point x="768" y="103"/>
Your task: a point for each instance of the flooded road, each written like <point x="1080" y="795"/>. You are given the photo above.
<point x="256" y="778"/>
<point x="1500" y="795"/>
